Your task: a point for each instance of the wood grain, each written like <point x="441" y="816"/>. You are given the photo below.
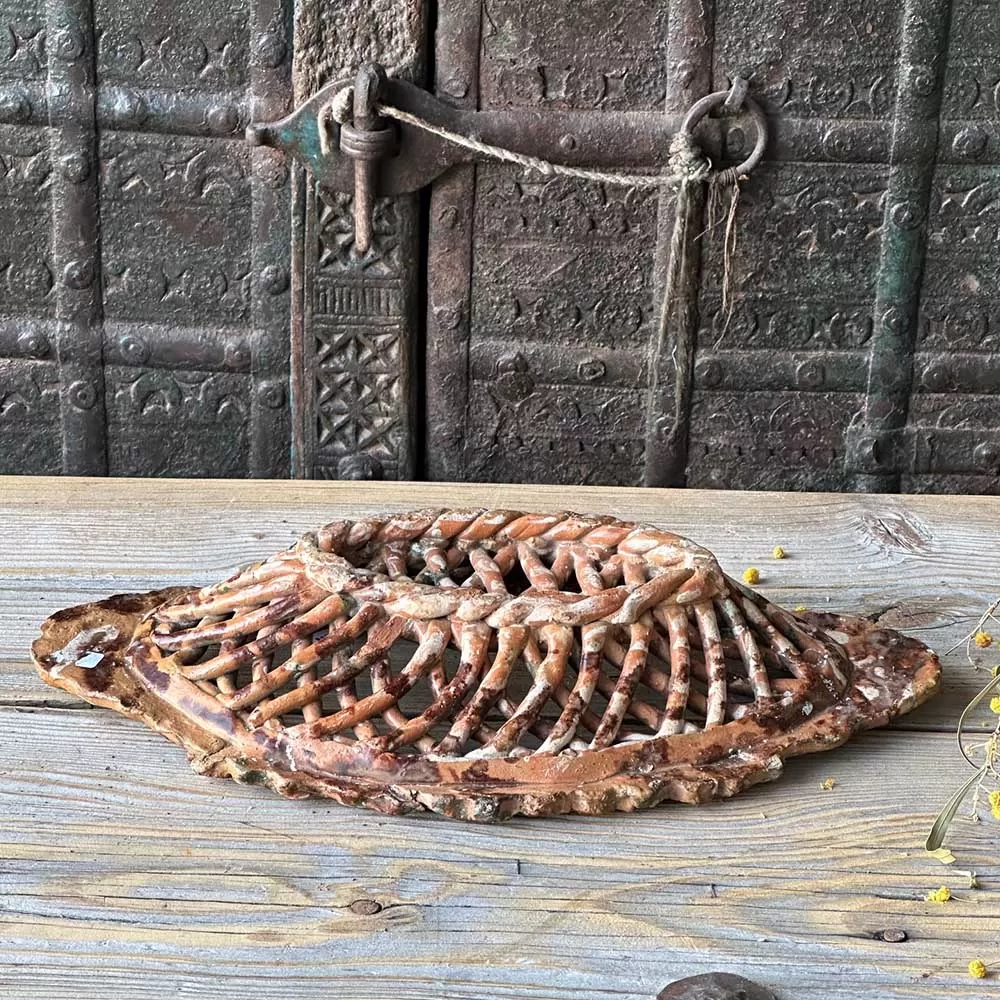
<point x="126" y="875"/>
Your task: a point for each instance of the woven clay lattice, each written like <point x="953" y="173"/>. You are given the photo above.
<point x="482" y="663"/>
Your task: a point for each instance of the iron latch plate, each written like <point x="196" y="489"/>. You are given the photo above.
<point x="575" y="138"/>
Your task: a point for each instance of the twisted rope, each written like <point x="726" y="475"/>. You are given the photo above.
<point x="692" y="165"/>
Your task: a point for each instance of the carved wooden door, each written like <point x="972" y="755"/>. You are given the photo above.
<point x="174" y="302"/>
<point x="144" y="259"/>
<point x="862" y="352"/>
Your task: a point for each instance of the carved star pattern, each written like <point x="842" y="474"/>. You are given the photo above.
<point x="358" y="351"/>
<point x="357" y="390"/>
<point x="336" y="236"/>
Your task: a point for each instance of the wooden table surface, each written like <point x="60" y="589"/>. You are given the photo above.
<point x="124" y="874"/>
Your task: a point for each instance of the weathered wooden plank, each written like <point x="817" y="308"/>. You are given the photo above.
<point x="124" y="871"/>
<point x="122" y="866"/>
<point x="924" y="564"/>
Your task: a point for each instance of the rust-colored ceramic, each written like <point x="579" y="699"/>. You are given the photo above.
<point x="484" y="663"/>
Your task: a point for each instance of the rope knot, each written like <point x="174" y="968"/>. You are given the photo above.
<point x="687" y="162"/>
<point x="342" y="105"/>
<point x="340" y="109"/>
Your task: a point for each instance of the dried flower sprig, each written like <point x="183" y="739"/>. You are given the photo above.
<point x="988" y="766"/>
<point x="988" y="616"/>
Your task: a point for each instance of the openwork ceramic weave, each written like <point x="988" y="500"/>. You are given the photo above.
<point x="483" y="663"/>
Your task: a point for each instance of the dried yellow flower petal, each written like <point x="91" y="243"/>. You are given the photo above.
<point x="977" y="968"/>
<point x="941" y="895"/>
<point x="778" y="552"/>
<point x="828" y="784"/>
<point x="983" y="640"/>
<point x="751" y="575"/>
<point x="994" y="800"/>
<point x="995" y="704"/>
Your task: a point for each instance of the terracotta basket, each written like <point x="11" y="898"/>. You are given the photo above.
<point x="483" y="663"/>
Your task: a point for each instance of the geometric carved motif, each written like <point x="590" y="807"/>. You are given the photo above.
<point x="335" y="232"/>
<point x="29" y="417"/>
<point x="180" y="422"/>
<point x="176" y="230"/>
<point x="357" y="374"/>
<point x="204" y="397"/>
<point x="356" y="314"/>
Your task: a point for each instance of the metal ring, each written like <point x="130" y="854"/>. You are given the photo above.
<point x="710" y="102"/>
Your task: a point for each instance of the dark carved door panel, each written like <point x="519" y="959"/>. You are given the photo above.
<point x="145" y="260"/>
<point x="542" y="292"/>
<point x="861" y="352"/>
<point x="175" y="302"/>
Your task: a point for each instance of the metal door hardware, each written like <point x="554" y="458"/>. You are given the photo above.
<point x="374" y="156"/>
